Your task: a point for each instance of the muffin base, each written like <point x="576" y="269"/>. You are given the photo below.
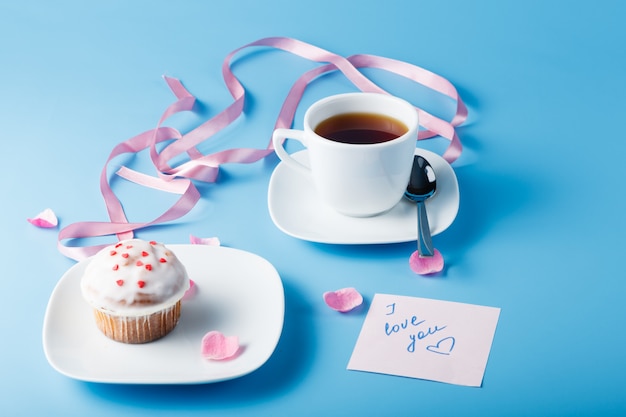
<point x="140" y="329"/>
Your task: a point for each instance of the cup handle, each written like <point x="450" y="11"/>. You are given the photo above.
<point x="278" y="140"/>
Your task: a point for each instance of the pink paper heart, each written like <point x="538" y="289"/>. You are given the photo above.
<point x="191" y="291"/>
<point x="46" y="219"/>
<point x="425" y="265"/>
<point x="210" y="241"/>
<point x="216" y="346"/>
<point x="343" y="300"/>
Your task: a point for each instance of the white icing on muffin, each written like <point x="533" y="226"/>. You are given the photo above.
<point x="134" y="277"/>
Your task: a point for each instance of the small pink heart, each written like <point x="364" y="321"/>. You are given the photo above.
<point x="343" y="300"/>
<point x="425" y="265"/>
<point x="217" y="347"/>
<point x="46" y="219"/>
<point x="191" y="291"/>
<point x="209" y="241"/>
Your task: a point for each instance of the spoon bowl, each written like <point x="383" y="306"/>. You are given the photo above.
<point x="422" y="185"/>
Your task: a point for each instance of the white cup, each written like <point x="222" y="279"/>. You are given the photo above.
<point x="355" y="179"/>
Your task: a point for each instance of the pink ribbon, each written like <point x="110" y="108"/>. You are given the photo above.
<point x="199" y="167"/>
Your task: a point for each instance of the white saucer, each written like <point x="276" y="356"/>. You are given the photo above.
<point x="296" y="210"/>
<point x="237" y="293"/>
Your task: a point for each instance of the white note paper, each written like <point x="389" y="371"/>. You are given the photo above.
<point x="428" y="339"/>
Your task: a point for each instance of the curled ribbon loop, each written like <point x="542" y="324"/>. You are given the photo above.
<point x="199" y="167"/>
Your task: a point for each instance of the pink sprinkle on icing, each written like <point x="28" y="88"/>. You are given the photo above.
<point x="113" y="253"/>
<point x="141" y="284"/>
<point x="149" y="267"/>
<point x="129" y="247"/>
<point x="162" y="260"/>
<point x="153" y="242"/>
<point x="425" y="265"/>
<point x="139" y="263"/>
<point x="144" y="253"/>
<point x="343" y="300"/>
<point x="216" y="346"/>
<point x="120" y="282"/>
<point x="124" y="255"/>
<point x="116" y="267"/>
<point x="118" y="245"/>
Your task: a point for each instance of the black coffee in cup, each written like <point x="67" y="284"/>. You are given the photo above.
<point x="361" y="128"/>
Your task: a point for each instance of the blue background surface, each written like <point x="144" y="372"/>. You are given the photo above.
<point x="540" y="231"/>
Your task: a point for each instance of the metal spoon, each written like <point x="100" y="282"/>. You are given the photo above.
<point x="422" y="185"/>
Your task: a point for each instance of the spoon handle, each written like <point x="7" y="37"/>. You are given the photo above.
<point x="424" y="240"/>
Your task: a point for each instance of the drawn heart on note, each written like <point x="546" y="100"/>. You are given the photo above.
<point x="443" y="347"/>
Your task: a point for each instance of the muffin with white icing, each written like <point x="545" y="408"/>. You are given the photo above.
<point x="135" y="288"/>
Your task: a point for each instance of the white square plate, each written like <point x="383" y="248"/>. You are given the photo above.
<point x="237" y="293"/>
